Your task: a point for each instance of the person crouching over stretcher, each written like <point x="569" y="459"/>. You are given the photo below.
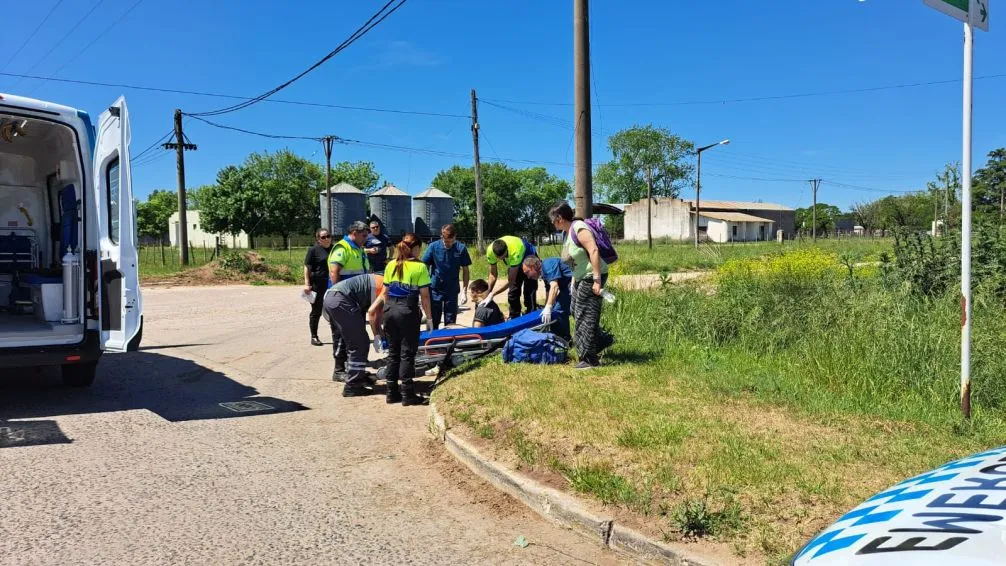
<point x="345" y="304"/>
<point x="511" y="251"/>
<point x="557" y="277"/>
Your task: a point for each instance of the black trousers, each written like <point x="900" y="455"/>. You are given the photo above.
<point x="319" y="287"/>
<point x="587" y="313"/>
<point x="349" y="319"/>
<point x="401" y="325"/>
<point x="522" y="288"/>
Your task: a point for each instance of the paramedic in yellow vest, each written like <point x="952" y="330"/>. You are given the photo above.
<point x="406" y="289"/>
<point x="511" y="251"/>
<point x="347" y="259"/>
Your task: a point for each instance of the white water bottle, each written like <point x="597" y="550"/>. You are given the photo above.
<point x="608" y="296"/>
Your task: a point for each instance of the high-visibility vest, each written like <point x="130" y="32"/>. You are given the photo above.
<point x="350" y="257"/>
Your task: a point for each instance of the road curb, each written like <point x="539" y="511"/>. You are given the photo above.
<point x="556" y="506"/>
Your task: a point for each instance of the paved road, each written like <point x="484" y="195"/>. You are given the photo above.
<point x="147" y="467"/>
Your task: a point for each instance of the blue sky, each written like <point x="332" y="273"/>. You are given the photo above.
<point x="428" y="55"/>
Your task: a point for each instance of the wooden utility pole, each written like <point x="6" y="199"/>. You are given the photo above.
<point x="180" y="145"/>
<point x="814" y="183"/>
<point x="649" y="208"/>
<point x="327" y="142"/>
<point x="478" y="175"/>
<point x="581" y="86"/>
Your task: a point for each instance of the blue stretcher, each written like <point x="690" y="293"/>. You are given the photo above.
<point x="448" y="348"/>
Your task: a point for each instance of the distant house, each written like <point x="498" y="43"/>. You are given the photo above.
<point x="198" y="238"/>
<point x="719" y="220"/>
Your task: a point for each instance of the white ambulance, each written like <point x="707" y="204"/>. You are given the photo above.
<point x="69" y="281"/>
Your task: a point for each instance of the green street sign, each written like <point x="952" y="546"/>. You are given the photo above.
<point x="974" y="11"/>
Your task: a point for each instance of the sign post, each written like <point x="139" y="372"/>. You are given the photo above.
<point x="974" y="14"/>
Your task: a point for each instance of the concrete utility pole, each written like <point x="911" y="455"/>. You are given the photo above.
<point x="582" y="175"/>
<point x="180" y="146"/>
<point x="814" y="183"/>
<point x="478" y="175"/>
<point x="698" y="182"/>
<point x="649" y="208"/>
<point x="327" y="142"/>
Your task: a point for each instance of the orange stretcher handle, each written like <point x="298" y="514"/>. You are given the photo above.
<point x="452" y="338"/>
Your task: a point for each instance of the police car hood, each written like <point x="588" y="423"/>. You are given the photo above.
<point x="954" y="514"/>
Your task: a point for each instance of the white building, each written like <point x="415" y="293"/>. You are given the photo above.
<point x="198" y="238"/>
<point x="719" y="221"/>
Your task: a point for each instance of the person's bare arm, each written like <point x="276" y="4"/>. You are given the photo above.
<point x="307" y="280"/>
<point x="465" y="274"/>
<point x="553" y="293"/>
<point x="493" y="276"/>
<point x="334" y="272"/>
<point x="424" y="296"/>
<point x="587" y="240"/>
<point x="375" y="314"/>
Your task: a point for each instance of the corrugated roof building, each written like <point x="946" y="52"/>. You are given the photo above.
<point x="719" y="220"/>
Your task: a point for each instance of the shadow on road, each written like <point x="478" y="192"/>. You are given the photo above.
<point x="175" y="389"/>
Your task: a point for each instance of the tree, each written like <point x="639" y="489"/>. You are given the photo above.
<point x="514" y="201"/>
<point x="152" y="216"/>
<point x="360" y="174"/>
<point x="642" y="151"/>
<point x="867" y="215"/>
<point x="827" y="216"/>
<point x="269" y="194"/>
<point x="989" y="195"/>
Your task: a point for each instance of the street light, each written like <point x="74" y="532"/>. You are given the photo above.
<point x="698" y="183"/>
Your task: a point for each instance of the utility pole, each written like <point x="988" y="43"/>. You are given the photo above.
<point x="649" y="207"/>
<point x="478" y="175"/>
<point x="180" y="145"/>
<point x="814" y="183"/>
<point x="327" y="142"/>
<point x="581" y="87"/>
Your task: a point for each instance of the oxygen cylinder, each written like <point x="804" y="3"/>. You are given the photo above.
<point x="71" y="286"/>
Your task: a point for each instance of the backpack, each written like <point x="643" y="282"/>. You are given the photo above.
<point x="604" y="246"/>
<point x="534" y="347"/>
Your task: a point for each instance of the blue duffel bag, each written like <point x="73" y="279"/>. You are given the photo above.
<point x="534" y="347"/>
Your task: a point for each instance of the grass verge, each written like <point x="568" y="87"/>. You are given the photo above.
<point x="755" y="413"/>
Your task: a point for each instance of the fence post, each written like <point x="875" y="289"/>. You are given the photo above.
<point x="161" y="242"/>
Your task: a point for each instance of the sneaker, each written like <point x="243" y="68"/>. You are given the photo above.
<point x="355" y="391"/>
<point x="339" y="376"/>
<point x="585" y="365"/>
<point x="315" y="341"/>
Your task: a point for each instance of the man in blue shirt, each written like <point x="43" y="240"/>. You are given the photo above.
<point x="377" y="248"/>
<point x="446" y="258"/>
<point x="557" y="277"/>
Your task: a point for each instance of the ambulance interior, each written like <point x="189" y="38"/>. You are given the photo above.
<point x="41" y="228"/>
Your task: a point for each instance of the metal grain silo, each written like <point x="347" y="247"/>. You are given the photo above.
<point x="349" y="204"/>
<point x="393" y="208"/>
<point x="433" y="209"/>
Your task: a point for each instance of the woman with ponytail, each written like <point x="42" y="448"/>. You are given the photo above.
<point x="406" y="288"/>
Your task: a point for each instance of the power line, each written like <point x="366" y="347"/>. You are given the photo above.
<point x="254" y="133"/>
<point x="871" y="189"/>
<point x="760" y="179"/>
<point x="761" y="98"/>
<point x="61" y="40"/>
<point x="370" y="24"/>
<point x="99" y="36"/>
<point x="232" y="96"/>
<point x="157" y="143"/>
<point x="32" y="35"/>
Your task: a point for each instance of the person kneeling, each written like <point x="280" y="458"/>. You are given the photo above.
<point x="486" y="314"/>
<point x="345" y="303"/>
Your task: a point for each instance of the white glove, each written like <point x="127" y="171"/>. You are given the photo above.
<point x="546" y="314"/>
<point x="377" y="344"/>
<point x="485" y="302"/>
<point x="429" y="326"/>
<point x="463" y="299"/>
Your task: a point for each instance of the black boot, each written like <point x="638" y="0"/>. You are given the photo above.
<point x="394" y="395"/>
<point x="356" y="390"/>
<point x="339" y="375"/>
<point x="409" y="397"/>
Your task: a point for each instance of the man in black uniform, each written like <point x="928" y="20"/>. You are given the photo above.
<point x="316" y="278"/>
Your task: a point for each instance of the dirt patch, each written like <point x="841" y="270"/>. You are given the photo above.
<point x="477" y="491"/>
<point x="231" y="269"/>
